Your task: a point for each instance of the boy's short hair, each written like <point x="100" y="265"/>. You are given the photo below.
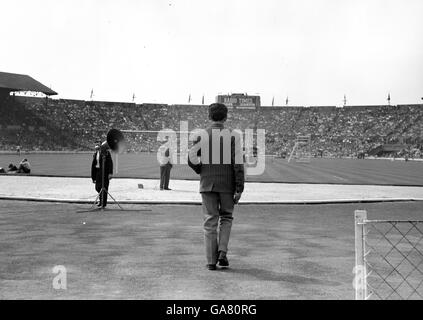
<point x="218" y="111"/>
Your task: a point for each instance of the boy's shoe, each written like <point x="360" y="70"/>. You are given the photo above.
<point x="222" y="261"/>
<point x="211" y="267"/>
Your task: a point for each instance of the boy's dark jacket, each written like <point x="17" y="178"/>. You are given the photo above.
<point x="219" y="177"/>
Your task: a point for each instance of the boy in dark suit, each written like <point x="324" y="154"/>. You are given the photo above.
<point x="221" y="184"/>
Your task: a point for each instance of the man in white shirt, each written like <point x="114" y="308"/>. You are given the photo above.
<point x="165" y="167"/>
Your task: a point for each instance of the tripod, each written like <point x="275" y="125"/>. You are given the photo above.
<point x="103" y="190"/>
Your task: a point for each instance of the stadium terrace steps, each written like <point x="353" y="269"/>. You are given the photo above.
<point x="75" y="124"/>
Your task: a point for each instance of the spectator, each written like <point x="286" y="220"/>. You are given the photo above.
<point x="12" y="168"/>
<point x="339" y="132"/>
<point x="24" y="167"/>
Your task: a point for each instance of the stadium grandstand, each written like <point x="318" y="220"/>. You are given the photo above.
<point x="13" y="82"/>
<point x="45" y="124"/>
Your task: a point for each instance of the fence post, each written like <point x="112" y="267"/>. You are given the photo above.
<point x="360" y="266"/>
<point x="117" y="163"/>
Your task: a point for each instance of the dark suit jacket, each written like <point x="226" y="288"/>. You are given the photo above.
<point x="219" y="177"/>
<point x="108" y="168"/>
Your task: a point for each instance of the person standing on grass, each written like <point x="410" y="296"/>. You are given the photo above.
<point x="221" y="171"/>
<point x="165" y="162"/>
<point x="96" y="157"/>
<point x="101" y="158"/>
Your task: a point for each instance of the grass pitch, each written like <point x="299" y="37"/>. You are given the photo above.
<point x="276" y="252"/>
<point x="337" y="171"/>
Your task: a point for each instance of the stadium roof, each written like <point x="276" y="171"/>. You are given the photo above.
<point x="22" y="82"/>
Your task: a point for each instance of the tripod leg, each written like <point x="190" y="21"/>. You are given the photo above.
<point x="96" y="199"/>
<point x="114" y="200"/>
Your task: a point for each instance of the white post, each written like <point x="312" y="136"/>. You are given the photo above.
<point x="292" y="152"/>
<point x="117" y="163"/>
<point x="360" y="266"/>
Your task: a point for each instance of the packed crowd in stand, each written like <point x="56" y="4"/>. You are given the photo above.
<point x="74" y="125"/>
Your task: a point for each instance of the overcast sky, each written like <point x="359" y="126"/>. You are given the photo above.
<point x="313" y="51"/>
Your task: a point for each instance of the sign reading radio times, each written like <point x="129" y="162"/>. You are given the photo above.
<point x="239" y="101"/>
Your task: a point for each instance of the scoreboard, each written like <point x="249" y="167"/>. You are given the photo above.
<point x="239" y="101"/>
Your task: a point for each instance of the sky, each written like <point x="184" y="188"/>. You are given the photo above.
<point x="313" y="51"/>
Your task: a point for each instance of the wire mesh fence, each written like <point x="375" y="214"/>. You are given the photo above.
<point x="389" y="258"/>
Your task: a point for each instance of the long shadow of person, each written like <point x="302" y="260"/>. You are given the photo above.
<point x="267" y="275"/>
